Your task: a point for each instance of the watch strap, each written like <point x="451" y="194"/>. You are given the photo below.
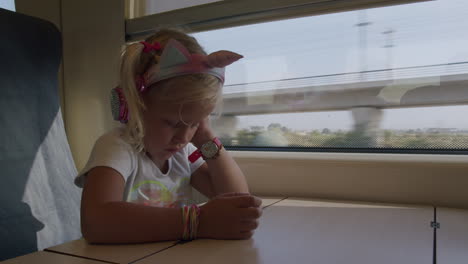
<point x="217" y="142"/>
<point x="197" y="153"/>
<point x="195" y="156"/>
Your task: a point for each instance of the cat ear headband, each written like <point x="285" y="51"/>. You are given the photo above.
<point x="175" y="61"/>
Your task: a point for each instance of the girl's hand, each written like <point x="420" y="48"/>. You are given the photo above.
<point x="230" y="216"/>
<point x="204" y="133"/>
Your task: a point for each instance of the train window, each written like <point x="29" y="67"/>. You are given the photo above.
<point x="7" y="4"/>
<point x="392" y="78"/>
<point x="140" y="8"/>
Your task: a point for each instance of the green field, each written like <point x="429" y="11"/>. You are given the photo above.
<point x="281" y="137"/>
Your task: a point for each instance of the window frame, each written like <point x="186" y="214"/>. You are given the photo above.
<point x="409" y="177"/>
<point x="229" y="13"/>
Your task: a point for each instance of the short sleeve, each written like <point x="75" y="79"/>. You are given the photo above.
<point x="194" y="166"/>
<point x="110" y="150"/>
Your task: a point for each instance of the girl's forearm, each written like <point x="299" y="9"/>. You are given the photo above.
<point x="123" y="222"/>
<point x="226" y="175"/>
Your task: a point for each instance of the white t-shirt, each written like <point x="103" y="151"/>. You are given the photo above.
<point x="144" y="181"/>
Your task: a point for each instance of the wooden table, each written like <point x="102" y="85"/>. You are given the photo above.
<point x="304" y="231"/>
<point x="124" y="253"/>
<point x="452" y="236"/>
<point x="300" y="231"/>
<point x="43" y="257"/>
<point x="110" y="253"/>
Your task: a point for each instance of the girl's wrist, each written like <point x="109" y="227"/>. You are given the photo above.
<point x="203" y="138"/>
<point x="201" y="233"/>
<point x="190" y="221"/>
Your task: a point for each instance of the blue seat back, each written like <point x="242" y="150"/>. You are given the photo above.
<point x="39" y="205"/>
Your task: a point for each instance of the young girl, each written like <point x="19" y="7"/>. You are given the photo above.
<point x="137" y="182"/>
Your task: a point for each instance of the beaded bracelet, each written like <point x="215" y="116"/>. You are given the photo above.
<point x="190" y="218"/>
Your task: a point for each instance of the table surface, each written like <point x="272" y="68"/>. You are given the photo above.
<point x="305" y="231"/>
<point x="111" y="253"/>
<point x="43" y="257"/>
<point x="308" y="202"/>
<point x="452" y="236"/>
<point x="297" y="230"/>
<point x="124" y="253"/>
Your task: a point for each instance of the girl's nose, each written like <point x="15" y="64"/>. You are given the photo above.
<point x="183" y="135"/>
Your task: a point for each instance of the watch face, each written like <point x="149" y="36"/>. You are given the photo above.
<point x="209" y="149"/>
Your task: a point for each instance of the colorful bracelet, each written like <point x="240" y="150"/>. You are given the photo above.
<point x="190" y="218"/>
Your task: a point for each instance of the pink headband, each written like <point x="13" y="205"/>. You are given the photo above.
<point x="175" y="60"/>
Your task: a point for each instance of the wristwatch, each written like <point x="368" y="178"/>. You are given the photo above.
<point x="209" y="150"/>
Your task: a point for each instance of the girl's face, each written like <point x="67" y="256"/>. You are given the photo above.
<point x="169" y="127"/>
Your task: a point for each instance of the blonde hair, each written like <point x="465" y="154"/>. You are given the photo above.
<point x="200" y="87"/>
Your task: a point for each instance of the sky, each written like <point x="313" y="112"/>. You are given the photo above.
<point x="8" y="4"/>
<point x="425" y="33"/>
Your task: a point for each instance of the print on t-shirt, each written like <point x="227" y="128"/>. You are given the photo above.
<point x="155" y="193"/>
